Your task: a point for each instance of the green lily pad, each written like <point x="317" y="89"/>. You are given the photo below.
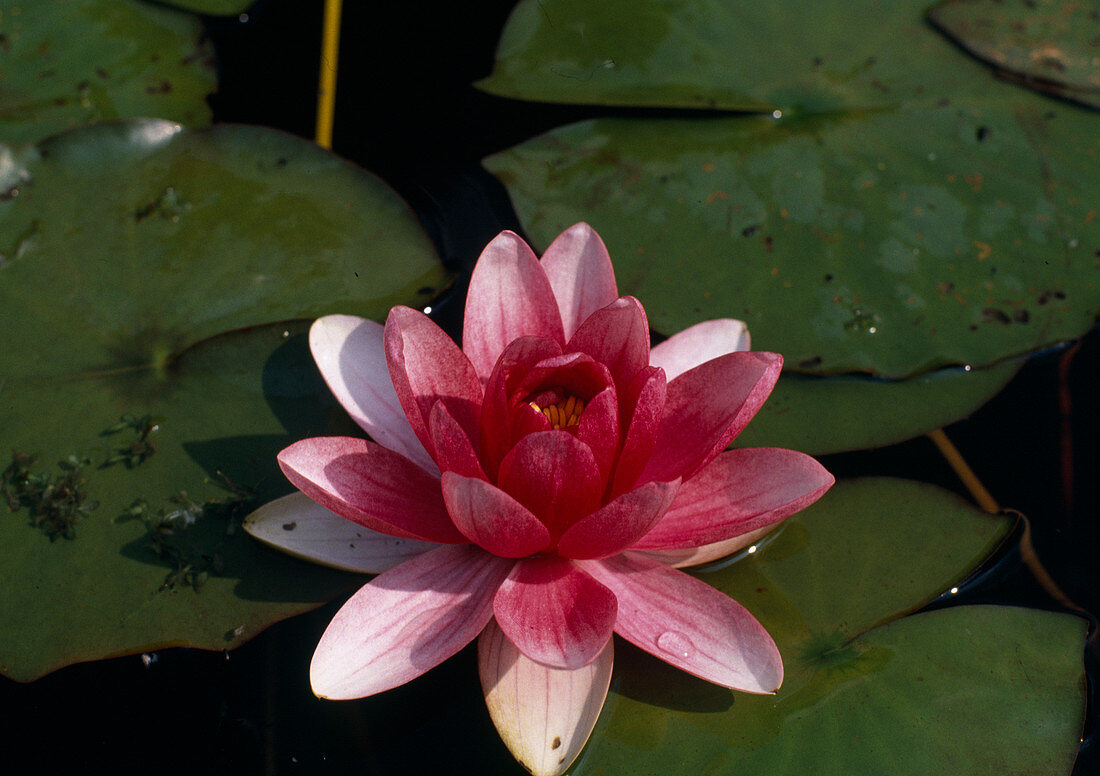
<point x="974" y="689"/>
<point x="822" y="415"/>
<point x="71" y="62"/>
<point x="212" y="7"/>
<point x="718" y="54"/>
<point x="846" y="244"/>
<point x="869" y="688"/>
<point x="128" y="249"/>
<point x="1048" y="45"/>
<point x="900" y="211"/>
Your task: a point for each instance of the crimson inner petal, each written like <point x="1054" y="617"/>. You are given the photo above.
<point x="573" y="374"/>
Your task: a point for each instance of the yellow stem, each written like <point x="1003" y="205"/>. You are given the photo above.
<point x="989" y="504"/>
<point x="326" y="90"/>
<point x="964" y="472"/>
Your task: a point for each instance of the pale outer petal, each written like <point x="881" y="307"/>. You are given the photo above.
<point x="509" y="297"/>
<point x="407" y="621"/>
<point x="689" y="624"/>
<point x="696" y="556"/>
<point x="580" y="272"/>
<point x="544" y="715"/>
<point x="351" y="355"/>
<point x="299" y="526"/>
<point x="698" y="344"/>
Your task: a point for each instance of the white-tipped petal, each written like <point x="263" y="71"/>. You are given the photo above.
<point x="351" y="355"/>
<point x="544" y="715"/>
<point x="580" y="272"/>
<point x="407" y="621"/>
<point x="696" y="556"/>
<point x="698" y="344"/>
<point x="301" y="527"/>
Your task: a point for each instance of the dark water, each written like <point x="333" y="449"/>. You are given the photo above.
<point x="407" y="112"/>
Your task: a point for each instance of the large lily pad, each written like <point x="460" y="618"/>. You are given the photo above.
<point x="905" y="211"/>
<point x="720" y="54"/>
<point x="977" y="690"/>
<point x="69" y="62"/>
<point x="821" y="415"/>
<point x="128" y="250"/>
<point x="847" y="244"/>
<point x="868" y="688"/>
<point x="1049" y="45"/>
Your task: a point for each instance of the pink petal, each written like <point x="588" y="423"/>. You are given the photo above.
<point x="544" y="715"/>
<point x="491" y="518"/>
<point x="554" y="613"/>
<point x="509" y="297"/>
<point x="689" y="624"/>
<point x="350" y="353"/>
<point x="616" y="336"/>
<point x="619" y="524"/>
<point x="598" y="428"/>
<point x="453" y="448"/>
<point x="406" y="621"/>
<point x="577" y="374"/>
<point x="580" y="272"/>
<point x="371" y="485"/>
<point x="706" y="407"/>
<point x="698" y="344"/>
<point x="645" y="396"/>
<point x="517" y="360"/>
<point x="427" y="367"/>
<point x="739" y="491"/>
<point x="299" y="526"/>
<point x="555" y="475"/>
<point x="696" y="556"/>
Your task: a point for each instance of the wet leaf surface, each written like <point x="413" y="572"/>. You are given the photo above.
<point x="1049" y="45"/>
<point x="894" y="209"/>
<point x="140" y="320"/>
<point x="64" y="63"/>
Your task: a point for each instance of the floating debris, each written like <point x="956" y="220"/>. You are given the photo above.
<point x="55" y="502"/>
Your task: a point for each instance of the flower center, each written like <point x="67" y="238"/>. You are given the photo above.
<point x="563" y="413"/>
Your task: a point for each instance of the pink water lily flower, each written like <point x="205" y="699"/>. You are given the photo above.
<point x="537" y="488"/>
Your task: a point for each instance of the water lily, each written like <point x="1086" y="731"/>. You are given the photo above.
<point x="537" y="490"/>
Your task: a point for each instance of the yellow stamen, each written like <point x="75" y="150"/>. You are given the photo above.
<point x="563" y="413"/>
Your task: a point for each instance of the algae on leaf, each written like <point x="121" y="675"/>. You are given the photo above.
<point x="148" y="314"/>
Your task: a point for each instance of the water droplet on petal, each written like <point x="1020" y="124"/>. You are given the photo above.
<point x="675" y="644"/>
